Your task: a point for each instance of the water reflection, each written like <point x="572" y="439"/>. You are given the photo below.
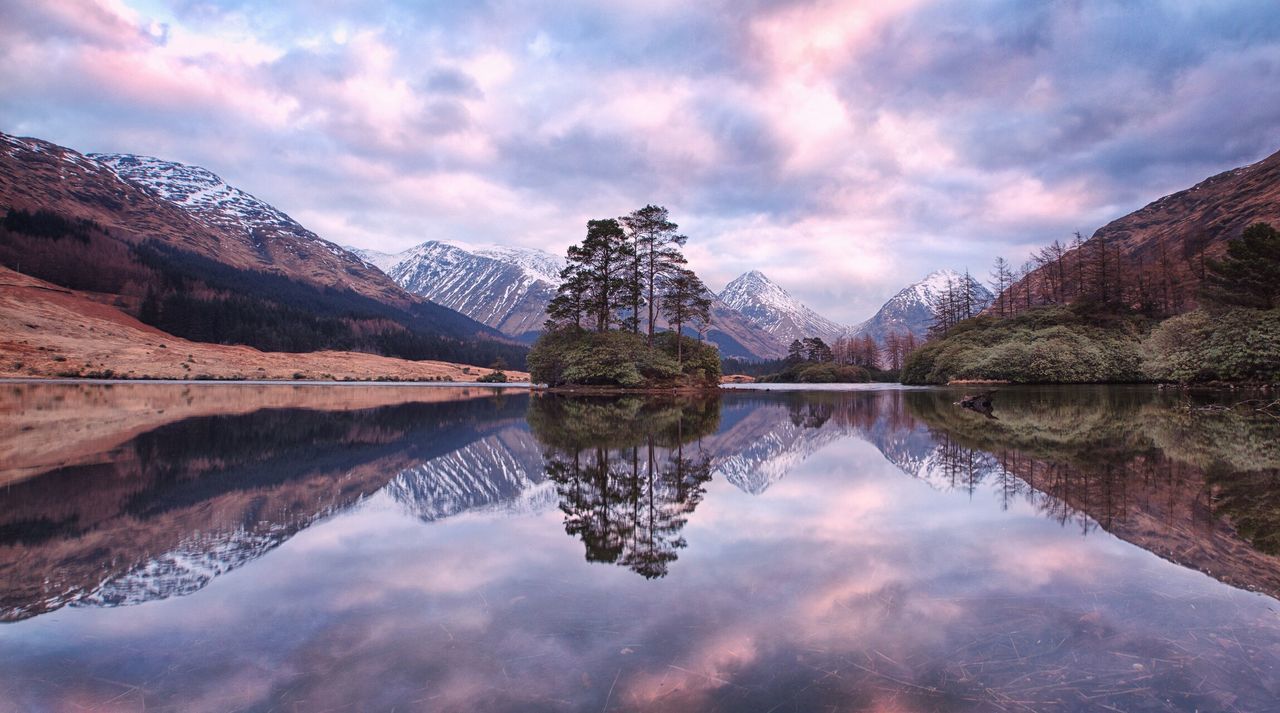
<point x="166" y="512"/>
<point x="433" y="550"/>
<point x="626" y="485"/>
<point x="1188" y="478"/>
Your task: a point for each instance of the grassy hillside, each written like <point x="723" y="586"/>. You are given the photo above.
<point x="1083" y="343"/>
<point x="1073" y="344"/>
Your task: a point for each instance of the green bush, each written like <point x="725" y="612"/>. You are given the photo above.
<point x="1228" y="344"/>
<point x="493" y="377"/>
<point x="1077" y="344"/>
<point x="823" y="373"/>
<point x="621" y="359"/>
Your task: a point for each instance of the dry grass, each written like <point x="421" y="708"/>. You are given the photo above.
<point x="47" y="331"/>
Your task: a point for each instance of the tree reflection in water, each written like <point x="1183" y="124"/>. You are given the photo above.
<point x="629" y="471"/>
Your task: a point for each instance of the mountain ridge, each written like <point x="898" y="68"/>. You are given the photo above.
<point x="768" y="306"/>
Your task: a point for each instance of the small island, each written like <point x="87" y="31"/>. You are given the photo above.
<point x="619" y="317"/>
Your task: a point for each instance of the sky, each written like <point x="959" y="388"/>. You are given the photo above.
<point x="845" y="149"/>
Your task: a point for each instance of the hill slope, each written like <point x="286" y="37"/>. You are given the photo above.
<point x="1166" y="240"/>
<point x="179" y="248"/>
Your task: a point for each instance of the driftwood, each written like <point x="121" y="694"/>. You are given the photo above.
<point x="979" y="403"/>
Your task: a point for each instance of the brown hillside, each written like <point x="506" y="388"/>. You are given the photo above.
<point x="36" y="174"/>
<point x="1160" y="249"/>
<point x="48" y="331"/>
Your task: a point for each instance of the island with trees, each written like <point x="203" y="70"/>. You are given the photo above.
<point x="621" y="315"/>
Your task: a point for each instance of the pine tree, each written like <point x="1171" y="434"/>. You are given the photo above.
<point x="685" y="300"/>
<point x="569" y="305"/>
<point x="1249" y="274"/>
<point x="657" y="257"/>
<point x="795" y="352"/>
<point x="603" y="260"/>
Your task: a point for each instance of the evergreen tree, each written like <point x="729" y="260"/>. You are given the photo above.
<point x="817" y="350"/>
<point x="569" y="305"/>
<point x="598" y="268"/>
<point x="795" y="352"/>
<point x="657" y="256"/>
<point x="1249" y="274"/>
<point x="685" y="300"/>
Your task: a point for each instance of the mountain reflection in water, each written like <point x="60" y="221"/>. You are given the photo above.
<point x="750" y="550"/>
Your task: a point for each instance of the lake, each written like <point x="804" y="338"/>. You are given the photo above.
<point x="214" y="547"/>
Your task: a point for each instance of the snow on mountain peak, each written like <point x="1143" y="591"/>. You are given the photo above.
<point x="770" y="307"/>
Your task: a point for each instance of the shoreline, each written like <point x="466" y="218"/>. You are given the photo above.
<point x="265" y="382"/>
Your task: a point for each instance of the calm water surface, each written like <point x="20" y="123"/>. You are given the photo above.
<point x="220" y="547"/>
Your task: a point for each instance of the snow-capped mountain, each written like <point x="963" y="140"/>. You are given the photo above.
<point x="504" y="469"/>
<point x="507" y="288"/>
<point x="766" y="305"/>
<point x="911" y="310"/>
<point x="268" y="232"/>
<point x="764" y="447"/>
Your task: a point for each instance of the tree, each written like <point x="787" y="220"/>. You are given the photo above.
<point x="1249" y="274"/>
<point x="1001" y="281"/>
<point x="596" y="276"/>
<point x="893" y="350"/>
<point x="795" y="352"/>
<point x="685" y="301"/>
<point x="867" y="352"/>
<point x="817" y="350"/>
<point x="657" y="257"/>
<point x="569" y="305"/>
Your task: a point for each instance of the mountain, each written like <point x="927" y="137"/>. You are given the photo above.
<point x="766" y="305"/>
<point x="1166" y="241"/>
<point x="182" y="250"/>
<point x="271" y="239"/>
<point x="911" y="310"/>
<point x="508" y="288"/>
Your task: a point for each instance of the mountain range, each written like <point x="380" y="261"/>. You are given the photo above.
<point x="183" y="251"/>
<point x="753" y="317"/>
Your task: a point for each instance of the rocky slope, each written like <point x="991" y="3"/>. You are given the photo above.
<point x="766" y="305"/>
<point x="505" y="288"/>
<point x="137" y="197"/>
<point x="911" y="310"/>
<point x="47" y="331"/>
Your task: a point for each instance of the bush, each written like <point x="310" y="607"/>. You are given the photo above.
<point x="823" y="373"/>
<point x="493" y="377"/>
<point x="621" y="359"/>
<point x="1077" y="344"/>
<point x="1229" y="344"/>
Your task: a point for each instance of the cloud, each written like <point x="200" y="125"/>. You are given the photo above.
<point x="844" y="149"/>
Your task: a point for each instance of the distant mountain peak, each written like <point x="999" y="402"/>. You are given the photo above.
<point x="911" y="309"/>
<point x="767" y="305"/>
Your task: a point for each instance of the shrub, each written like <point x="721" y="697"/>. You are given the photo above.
<point x="493" y="377"/>
<point x="1077" y="344"/>
<point x="1229" y="344"/>
<point x="822" y="373"/>
<point x="621" y="359"/>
